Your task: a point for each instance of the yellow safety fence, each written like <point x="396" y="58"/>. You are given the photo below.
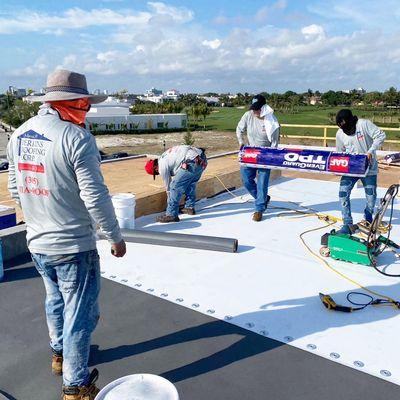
<point x="325" y="136"/>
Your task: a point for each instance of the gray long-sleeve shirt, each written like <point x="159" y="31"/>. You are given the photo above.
<point x="171" y="160"/>
<point x="54" y="174"/>
<point x="254" y="127"/>
<point x="367" y="139"/>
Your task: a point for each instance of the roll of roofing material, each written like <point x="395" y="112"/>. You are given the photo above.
<point x="213" y="243"/>
<point x="310" y="160"/>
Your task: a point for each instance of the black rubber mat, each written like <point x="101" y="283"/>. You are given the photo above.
<point x="205" y="358"/>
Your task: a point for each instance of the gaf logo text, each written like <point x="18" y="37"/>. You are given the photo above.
<point x="251" y="154"/>
<point x="339" y="163"/>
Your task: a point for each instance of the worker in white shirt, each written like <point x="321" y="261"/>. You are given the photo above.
<point x="180" y="168"/>
<point x="262" y="129"/>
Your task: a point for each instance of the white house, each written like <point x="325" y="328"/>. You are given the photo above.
<point x="210" y="100"/>
<point x="113" y="115"/>
<point x="153" y="99"/>
<point x="157" y="96"/>
<point x="154" y="95"/>
<point x="172" y="94"/>
<point x="111" y="106"/>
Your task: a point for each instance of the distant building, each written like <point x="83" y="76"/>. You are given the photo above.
<point x="210" y="100"/>
<point x="17" y="92"/>
<point x="98" y="91"/>
<point x="114" y="115"/>
<point x="359" y="90"/>
<point x="111" y="106"/>
<point x="154" y="95"/>
<point x="314" y="100"/>
<point x="153" y="92"/>
<point x="153" y="99"/>
<point x="172" y="94"/>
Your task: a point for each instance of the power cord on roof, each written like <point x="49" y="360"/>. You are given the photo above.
<point x="381" y="300"/>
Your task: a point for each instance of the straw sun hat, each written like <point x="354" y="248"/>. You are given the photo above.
<point x="67" y="85"/>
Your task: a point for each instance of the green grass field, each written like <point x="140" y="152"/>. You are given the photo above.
<point x="226" y="119"/>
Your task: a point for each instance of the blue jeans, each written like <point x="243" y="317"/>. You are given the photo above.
<point x="346" y="185"/>
<point x="72" y="284"/>
<point x="259" y="189"/>
<point x="184" y="182"/>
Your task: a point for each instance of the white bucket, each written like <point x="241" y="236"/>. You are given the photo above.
<point x="126" y="223"/>
<point x="139" y="387"/>
<point x="124" y="206"/>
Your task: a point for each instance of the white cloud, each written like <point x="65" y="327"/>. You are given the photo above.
<point x="212" y="44"/>
<point x="38" y="68"/>
<point x="313" y="31"/>
<point x="74" y="18"/>
<point x="159" y="46"/>
<point x="180" y="14"/>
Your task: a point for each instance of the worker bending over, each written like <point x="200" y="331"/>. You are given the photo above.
<point x="358" y="136"/>
<point x="180" y="168"/>
<point x="262" y="129"/>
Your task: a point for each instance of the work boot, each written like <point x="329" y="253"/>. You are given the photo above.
<point x="88" y="392"/>
<point x="257" y="216"/>
<point x="267" y="201"/>
<point x="56" y="363"/>
<point x="167" y="218"/>
<point x="188" y="211"/>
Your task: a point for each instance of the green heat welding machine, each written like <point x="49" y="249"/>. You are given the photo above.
<point x="359" y="250"/>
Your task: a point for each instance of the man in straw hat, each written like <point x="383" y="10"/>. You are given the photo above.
<point x="54" y="175"/>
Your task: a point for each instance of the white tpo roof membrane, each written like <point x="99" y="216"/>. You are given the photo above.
<point x="271" y="285"/>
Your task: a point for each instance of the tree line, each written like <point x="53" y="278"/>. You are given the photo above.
<point x="195" y="108"/>
<point x="15" y="111"/>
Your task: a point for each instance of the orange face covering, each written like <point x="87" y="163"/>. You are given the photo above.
<point x="72" y="110"/>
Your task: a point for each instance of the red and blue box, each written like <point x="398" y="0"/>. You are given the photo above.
<point x="8" y="217"/>
<point x="309" y="160"/>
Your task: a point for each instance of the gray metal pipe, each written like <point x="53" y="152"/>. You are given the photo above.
<point x="213" y="243"/>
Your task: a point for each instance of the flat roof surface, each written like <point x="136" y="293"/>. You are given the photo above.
<point x="272" y="285"/>
<point x="204" y="356"/>
<point x="138" y="333"/>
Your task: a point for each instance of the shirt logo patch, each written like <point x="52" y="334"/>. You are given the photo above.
<point x="32" y="148"/>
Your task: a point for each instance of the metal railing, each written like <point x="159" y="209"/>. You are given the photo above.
<point x="325" y="136"/>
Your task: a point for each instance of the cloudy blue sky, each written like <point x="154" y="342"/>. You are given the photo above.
<point x="203" y="45"/>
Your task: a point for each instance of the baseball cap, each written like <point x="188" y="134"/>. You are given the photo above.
<point x="151" y="167"/>
<point x="257" y="102"/>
